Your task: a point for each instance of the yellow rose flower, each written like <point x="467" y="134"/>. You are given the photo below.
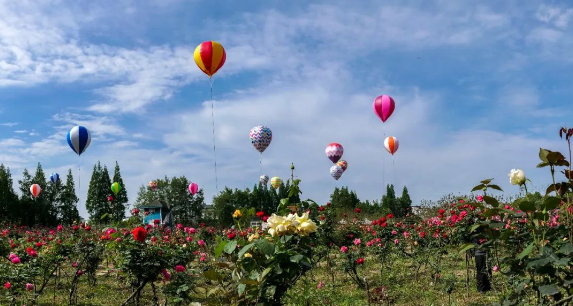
<point x="248" y="255"/>
<point x="254" y="236"/>
<point x="237" y="214"/>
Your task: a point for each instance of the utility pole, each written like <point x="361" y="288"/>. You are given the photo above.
<point x="292" y="172"/>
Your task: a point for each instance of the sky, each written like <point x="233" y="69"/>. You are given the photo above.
<point x="479" y="88"/>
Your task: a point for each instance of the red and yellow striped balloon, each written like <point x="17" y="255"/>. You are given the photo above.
<point x="210" y="56"/>
<point x="391" y="143"/>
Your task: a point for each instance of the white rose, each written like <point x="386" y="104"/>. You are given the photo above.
<point x="517" y="177"/>
<point x="307" y="227"/>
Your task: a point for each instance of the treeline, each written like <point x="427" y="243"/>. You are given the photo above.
<point x="56" y="204"/>
<point x="185" y="208"/>
<point x="344" y="201"/>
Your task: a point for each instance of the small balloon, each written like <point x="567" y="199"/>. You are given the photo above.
<point x="264" y="179"/>
<point x="384" y="107"/>
<point x="35" y="190"/>
<point x="336" y="171"/>
<point x="391" y="144"/>
<point x="261" y="137"/>
<point x="334" y="151"/>
<point x="276" y="182"/>
<point x="54" y="178"/>
<point x="193" y="188"/>
<point x="343" y="164"/>
<point x="79" y="139"/>
<point x="152" y="185"/>
<point x="115" y="187"/>
<point x="210" y="56"/>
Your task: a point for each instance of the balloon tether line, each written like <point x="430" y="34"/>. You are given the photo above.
<point x="384" y="160"/>
<point x="394" y="168"/>
<point x="213" y="121"/>
<point x="261" y="165"/>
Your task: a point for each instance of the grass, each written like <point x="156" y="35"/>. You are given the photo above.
<point x="403" y="287"/>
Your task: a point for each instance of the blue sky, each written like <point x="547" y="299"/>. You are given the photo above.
<point x="479" y="88"/>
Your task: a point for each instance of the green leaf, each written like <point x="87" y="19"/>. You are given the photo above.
<point x="491" y="201"/>
<point x="543" y="155"/>
<point x="296" y="258"/>
<point x="265" y="246"/>
<point x="550" y="289"/>
<point x="230" y="246"/>
<point x="478" y="187"/>
<point x="498" y="225"/>
<point x="526" y="206"/>
<point x="485" y="182"/>
<point x="104" y="216"/>
<point x="562" y="262"/>
<point x="526" y="251"/>
<point x="466" y="247"/>
<point x="566" y="249"/>
<point x="552" y="188"/>
<point x="211" y="275"/>
<point x="241" y="288"/>
<point x="551" y="203"/>
<point x="245" y="249"/>
<point x="219" y="249"/>
<point x="496" y="187"/>
<point x="474" y="227"/>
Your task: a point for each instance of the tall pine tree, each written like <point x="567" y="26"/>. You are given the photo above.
<point x="26" y="210"/>
<point x="105" y="192"/>
<point x="92" y="200"/>
<point x="68" y="210"/>
<point x="389" y="201"/>
<point x="405" y="202"/>
<point x="8" y="198"/>
<point x="120" y="200"/>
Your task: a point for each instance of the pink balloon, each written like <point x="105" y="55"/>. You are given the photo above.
<point x="384" y="107"/>
<point x="193" y="188"/>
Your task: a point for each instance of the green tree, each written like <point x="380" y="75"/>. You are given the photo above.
<point x="105" y="192"/>
<point x="92" y="200"/>
<point x="120" y="200"/>
<point x="44" y="204"/>
<point x="68" y="210"/>
<point x="405" y="202"/>
<point x="344" y="200"/>
<point x="8" y="198"/>
<point x="26" y="212"/>
<point x="389" y="201"/>
<point x="223" y="206"/>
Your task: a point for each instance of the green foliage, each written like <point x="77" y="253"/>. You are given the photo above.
<point x="120" y="200"/>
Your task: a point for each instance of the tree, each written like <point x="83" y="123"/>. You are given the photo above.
<point x="46" y="212"/>
<point x="405" y="202"/>
<point x="120" y="200"/>
<point x="68" y="210"/>
<point x="389" y="201"/>
<point x="25" y="212"/>
<point x="92" y="200"/>
<point x="224" y="207"/>
<point x="343" y="200"/>
<point x="105" y="192"/>
<point x="97" y="204"/>
<point x="8" y="198"/>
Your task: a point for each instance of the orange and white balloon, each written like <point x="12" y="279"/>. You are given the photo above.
<point x="391" y="143"/>
<point x="35" y="190"/>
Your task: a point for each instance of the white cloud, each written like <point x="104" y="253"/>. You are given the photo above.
<point x="20" y="131"/>
<point x="556" y="16"/>
<point x="9" y="124"/>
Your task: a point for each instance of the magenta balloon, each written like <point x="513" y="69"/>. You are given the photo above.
<point x="193" y="188"/>
<point x="384" y="107"/>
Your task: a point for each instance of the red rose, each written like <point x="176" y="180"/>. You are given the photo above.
<point x="360" y="261"/>
<point x="260" y="214"/>
<point x="441" y="211"/>
<point x="322" y="217"/>
<point x="156" y="221"/>
<point x="321" y="208"/>
<point x="139" y="234"/>
<point x="390" y="216"/>
<point x="231" y="235"/>
<point x="265" y="218"/>
<point x="357" y="210"/>
<point x="328" y="204"/>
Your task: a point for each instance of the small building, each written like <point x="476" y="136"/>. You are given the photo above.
<point x="157" y="210"/>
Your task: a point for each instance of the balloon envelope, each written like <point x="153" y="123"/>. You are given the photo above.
<point x="334" y="151"/>
<point x="384" y="107"/>
<point x="193" y="188"/>
<point x="115" y="187"/>
<point x="276" y="182"/>
<point x="210" y="56"/>
<point x="35" y="190"/>
<point x="264" y="179"/>
<point x="261" y="137"/>
<point x="152" y="185"/>
<point x="79" y="139"/>
<point x="391" y="144"/>
<point x="55" y="178"/>
<point x="343" y="164"/>
<point x="336" y="171"/>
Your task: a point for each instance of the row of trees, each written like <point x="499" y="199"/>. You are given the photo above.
<point x="344" y="200"/>
<point x="185" y="207"/>
<point x="56" y="204"/>
<point x="101" y="203"/>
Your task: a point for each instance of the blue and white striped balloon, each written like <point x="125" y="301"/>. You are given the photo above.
<point x="79" y="139"/>
<point x="55" y="178"/>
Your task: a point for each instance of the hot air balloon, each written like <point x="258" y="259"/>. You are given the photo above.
<point x="336" y="171"/>
<point x="343" y="164"/>
<point x="79" y="139"/>
<point x="109" y="198"/>
<point x="384" y="107"/>
<point x="264" y="179"/>
<point x="334" y="151"/>
<point x="261" y="137"/>
<point x="276" y="182"/>
<point x="35" y="190"/>
<point x="391" y="143"/>
<point x="152" y="185"/>
<point x="193" y="188"/>
<point x="55" y="178"/>
<point x="115" y="187"/>
<point x="210" y="56"/>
